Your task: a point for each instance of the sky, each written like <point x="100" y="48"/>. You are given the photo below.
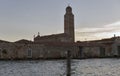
<point x="94" y="19"/>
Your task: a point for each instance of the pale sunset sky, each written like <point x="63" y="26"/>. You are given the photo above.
<point x="94" y="19"/>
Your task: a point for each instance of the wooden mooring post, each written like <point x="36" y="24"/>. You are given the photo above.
<point x="68" y="63"/>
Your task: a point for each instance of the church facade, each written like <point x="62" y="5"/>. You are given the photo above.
<point x="55" y="46"/>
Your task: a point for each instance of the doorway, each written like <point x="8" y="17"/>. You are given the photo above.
<point x="102" y="52"/>
<point x="118" y="49"/>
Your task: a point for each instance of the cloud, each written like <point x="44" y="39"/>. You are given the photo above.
<point x="98" y="32"/>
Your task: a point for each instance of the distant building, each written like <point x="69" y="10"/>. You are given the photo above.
<point x="67" y="36"/>
<point x="57" y="45"/>
<point x="50" y="46"/>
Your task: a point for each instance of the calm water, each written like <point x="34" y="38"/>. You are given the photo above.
<point x="88" y="67"/>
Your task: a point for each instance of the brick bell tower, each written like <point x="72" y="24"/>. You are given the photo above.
<point x="69" y="23"/>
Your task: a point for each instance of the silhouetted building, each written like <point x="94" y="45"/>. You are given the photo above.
<point x="57" y="45"/>
<point x="67" y="36"/>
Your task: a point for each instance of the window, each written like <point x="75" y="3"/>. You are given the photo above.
<point x="29" y="53"/>
<point x="80" y="51"/>
<point x="0" y="52"/>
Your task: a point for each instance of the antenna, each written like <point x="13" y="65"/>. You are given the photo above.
<point x="34" y="36"/>
<point x="39" y="33"/>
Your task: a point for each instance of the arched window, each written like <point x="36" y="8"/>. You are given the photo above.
<point x="29" y="53"/>
<point x="4" y="51"/>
